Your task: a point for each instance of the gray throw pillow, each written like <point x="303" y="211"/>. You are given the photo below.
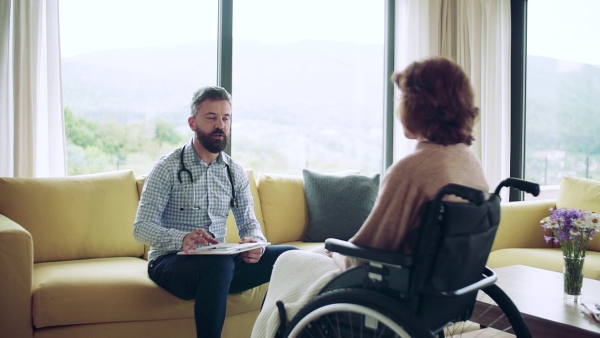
<point x="337" y="205"/>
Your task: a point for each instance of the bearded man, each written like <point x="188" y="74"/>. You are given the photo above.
<point x="184" y="205"/>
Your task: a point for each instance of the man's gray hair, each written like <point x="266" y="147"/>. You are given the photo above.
<point x="208" y="93"/>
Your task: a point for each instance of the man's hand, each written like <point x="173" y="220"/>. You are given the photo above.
<point x="251" y="256"/>
<point x="198" y="236"/>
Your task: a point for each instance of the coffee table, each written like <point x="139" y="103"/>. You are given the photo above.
<point x="538" y="294"/>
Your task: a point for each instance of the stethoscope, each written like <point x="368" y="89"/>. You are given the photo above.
<point x="233" y="201"/>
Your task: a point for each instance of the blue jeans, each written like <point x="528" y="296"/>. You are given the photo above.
<point x="208" y="279"/>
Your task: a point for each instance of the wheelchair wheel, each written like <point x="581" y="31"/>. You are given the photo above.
<point x="495" y="315"/>
<point x="355" y="313"/>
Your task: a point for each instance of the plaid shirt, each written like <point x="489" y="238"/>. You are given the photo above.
<point x="169" y="210"/>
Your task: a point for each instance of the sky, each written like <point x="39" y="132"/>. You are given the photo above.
<point x="556" y="28"/>
<point x="92" y="25"/>
<point x="564" y="29"/>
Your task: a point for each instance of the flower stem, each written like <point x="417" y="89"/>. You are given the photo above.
<point x="573" y="274"/>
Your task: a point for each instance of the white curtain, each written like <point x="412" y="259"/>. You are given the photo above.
<point x="417" y="36"/>
<point x="32" y="138"/>
<point x="476" y="34"/>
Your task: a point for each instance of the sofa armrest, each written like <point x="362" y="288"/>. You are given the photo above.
<point x="16" y="271"/>
<point x="520" y="224"/>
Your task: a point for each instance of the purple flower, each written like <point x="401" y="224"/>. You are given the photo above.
<point x="571" y="228"/>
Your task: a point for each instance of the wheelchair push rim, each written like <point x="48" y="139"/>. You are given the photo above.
<point x="381" y="316"/>
<point x="355" y="313"/>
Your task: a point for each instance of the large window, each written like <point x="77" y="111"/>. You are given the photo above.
<point x="562" y="104"/>
<point x="307" y="82"/>
<point x="129" y="69"/>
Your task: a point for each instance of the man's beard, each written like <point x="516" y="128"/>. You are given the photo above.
<point x="214" y="146"/>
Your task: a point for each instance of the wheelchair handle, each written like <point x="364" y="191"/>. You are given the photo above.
<point x="529" y="187"/>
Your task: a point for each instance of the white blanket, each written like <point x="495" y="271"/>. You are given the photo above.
<point x="296" y="279"/>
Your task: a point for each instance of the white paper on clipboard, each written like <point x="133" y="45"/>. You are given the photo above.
<point x="224" y="248"/>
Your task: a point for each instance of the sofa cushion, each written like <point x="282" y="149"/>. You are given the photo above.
<point x="338" y="205"/>
<point x="75" y="217"/>
<point x="582" y="194"/>
<point x="232" y="231"/>
<point x="140" y="180"/>
<point x="305" y="245"/>
<point x="548" y="259"/>
<point x="283" y="207"/>
<point x="520" y="224"/>
<point x="106" y="290"/>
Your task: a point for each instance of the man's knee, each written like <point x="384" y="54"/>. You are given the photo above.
<point x="221" y="267"/>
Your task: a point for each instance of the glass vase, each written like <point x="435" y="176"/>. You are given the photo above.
<point x="573" y="278"/>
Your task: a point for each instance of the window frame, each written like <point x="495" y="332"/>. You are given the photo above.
<point x="225" y="73"/>
<point x="518" y="9"/>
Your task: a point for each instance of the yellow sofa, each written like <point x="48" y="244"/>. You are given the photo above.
<point x="70" y="267"/>
<point x="520" y="237"/>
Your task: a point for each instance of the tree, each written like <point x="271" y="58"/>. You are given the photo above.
<point x="164" y="132"/>
<point x="80" y="131"/>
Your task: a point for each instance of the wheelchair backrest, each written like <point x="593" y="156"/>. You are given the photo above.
<point x="455" y="240"/>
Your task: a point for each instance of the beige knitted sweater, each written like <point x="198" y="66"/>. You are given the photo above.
<point x="410" y="183"/>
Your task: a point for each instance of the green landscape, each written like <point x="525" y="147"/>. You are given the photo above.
<point x="138" y="107"/>
<point x="563" y="120"/>
<point x="308" y="105"/>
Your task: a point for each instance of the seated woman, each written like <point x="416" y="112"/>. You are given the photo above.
<point x="437" y="109"/>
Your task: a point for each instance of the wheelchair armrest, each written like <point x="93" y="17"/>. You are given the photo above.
<point x="489" y="278"/>
<point x="368" y="254"/>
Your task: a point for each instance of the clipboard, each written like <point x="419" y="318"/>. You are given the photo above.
<point x="224" y="248"/>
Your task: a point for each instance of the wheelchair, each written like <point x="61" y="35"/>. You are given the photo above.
<point x="431" y="293"/>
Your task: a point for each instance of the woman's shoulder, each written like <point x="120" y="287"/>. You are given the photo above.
<point x="422" y="152"/>
<point x="432" y="161"/>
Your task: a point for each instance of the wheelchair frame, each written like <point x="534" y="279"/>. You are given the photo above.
<point x="417" y="295"/>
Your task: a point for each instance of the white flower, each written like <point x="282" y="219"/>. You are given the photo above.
<point x="571" y="228"/>
<point x="580" y="223"/>
<point x="549" y="223"/>
<point x="592" y="221"/>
